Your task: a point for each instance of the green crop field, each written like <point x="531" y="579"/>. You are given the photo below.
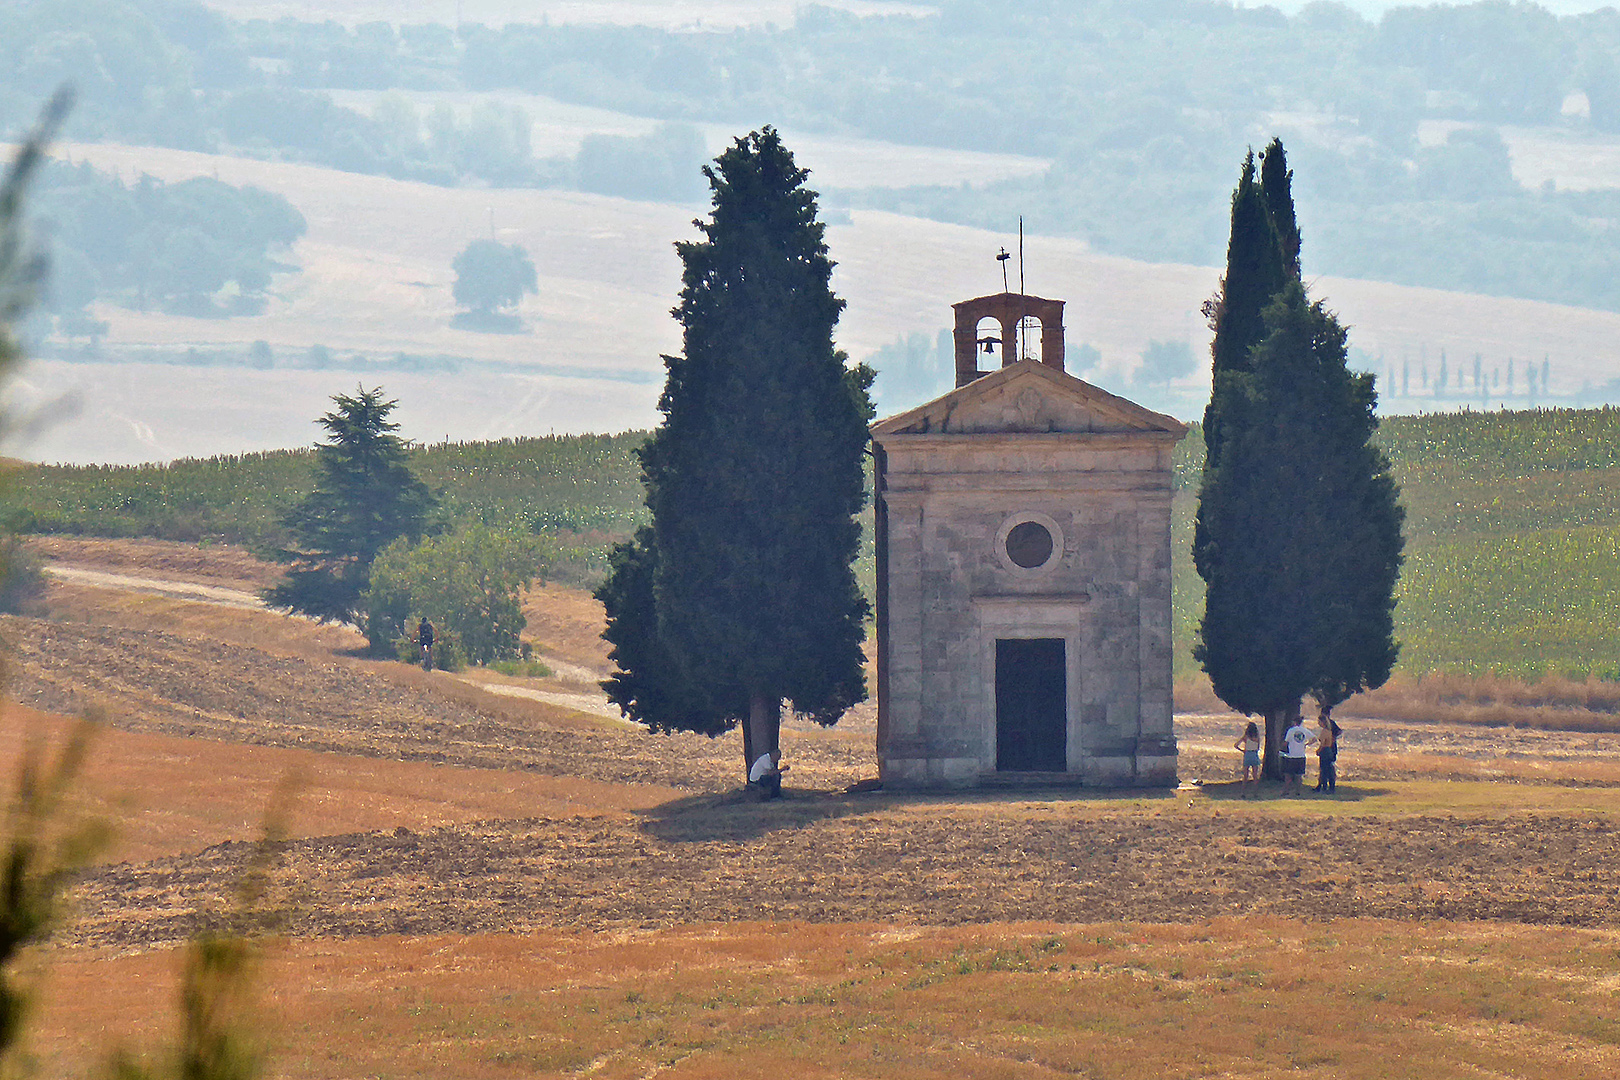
<point x="1513" y="522"/>
<point x="584" y="489"/>
<point x="1513" y="542"/>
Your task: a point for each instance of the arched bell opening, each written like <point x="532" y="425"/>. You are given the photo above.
<point x="991" y="343"/>
<point x="1027" y="339"/>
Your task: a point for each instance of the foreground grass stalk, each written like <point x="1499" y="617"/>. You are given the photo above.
<point x="220" y="978"/>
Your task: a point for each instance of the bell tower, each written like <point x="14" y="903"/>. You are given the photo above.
<point x="1008" y="309"/>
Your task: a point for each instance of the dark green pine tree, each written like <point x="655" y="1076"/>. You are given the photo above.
<point x="1256" y="268"/>
<point x="365" y="497"/>
<point x="1298" y="537"/>
<point x="1301" y="526"/>
<point x="1255" y="271"/>
<point x="753" y="480"/>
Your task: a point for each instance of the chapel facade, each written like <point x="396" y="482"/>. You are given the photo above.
<point x="1023" y="572"/>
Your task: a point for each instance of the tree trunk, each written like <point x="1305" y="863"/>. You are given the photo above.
<point x="1277" y="722"/>
<point x="763" y="727"/>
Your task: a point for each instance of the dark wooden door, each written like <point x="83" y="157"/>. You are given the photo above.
<point x="1032" y="723"/>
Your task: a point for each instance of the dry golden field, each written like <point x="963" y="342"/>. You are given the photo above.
<point x="481" y="885"/>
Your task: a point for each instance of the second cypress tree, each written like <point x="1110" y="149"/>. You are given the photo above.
<point x="1262" y="255"/>
<point x="1298" y="531"/>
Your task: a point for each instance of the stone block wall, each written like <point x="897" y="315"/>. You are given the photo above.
<point x="948" y="591"/>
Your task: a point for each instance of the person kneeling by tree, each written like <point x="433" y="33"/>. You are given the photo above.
<point x="766" y="775"/>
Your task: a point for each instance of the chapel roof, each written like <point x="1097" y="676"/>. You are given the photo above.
<point x="1028" y="397"/>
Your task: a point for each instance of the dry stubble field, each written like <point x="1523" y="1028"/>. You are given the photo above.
<point x="484" y="885"/>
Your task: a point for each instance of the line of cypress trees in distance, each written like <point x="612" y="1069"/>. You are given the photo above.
<point x="1298" y="531"/>
<point x="741" y="594"/>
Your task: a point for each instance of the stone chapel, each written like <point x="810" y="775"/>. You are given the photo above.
<point x="1023" y="572"/>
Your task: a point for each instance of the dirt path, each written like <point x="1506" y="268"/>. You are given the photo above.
<point x="153" y="671"/>
<point x="581" y="698"/>
<point x="180" y="590"/>
<point x="580" y="701"/>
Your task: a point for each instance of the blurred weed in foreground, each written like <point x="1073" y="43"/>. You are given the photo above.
<point x="219" y="1039"/>
<point x="44" y="846"/>
<point x="46" y="841"/>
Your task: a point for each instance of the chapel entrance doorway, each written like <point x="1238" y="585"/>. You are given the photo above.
<point x="1031" y="705"/>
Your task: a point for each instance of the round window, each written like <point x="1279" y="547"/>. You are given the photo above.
<point x="1029" y="544"/>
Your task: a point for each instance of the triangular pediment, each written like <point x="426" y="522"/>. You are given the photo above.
<point x="1028" y="397"/>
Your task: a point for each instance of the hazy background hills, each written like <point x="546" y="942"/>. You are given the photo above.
<point x="265" y="197"/>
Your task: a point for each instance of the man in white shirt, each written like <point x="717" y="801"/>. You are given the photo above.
<point x="766" y="774"/>
<point x="1296" y="741"/>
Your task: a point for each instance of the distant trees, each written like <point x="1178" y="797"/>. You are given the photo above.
<point x="365" y="497"/>
<point x="1507" y="61"/>
<point x="664" y="164"/>
<point x="491" y="279"/>
<point x="912" y="369"/>
<point x="1084" y="359"/>
<point x="741" y="593"/>
<point x="1472" y="164"/>
<point x="196" y="247"/>
<point x="1298" y="529"/>
<point x="493" y="142"/>
<point x="469" y="583"/>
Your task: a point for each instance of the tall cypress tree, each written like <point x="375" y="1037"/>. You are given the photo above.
<point x="1303" y="525"/>
<point x="753" y="479"/>
<point x="650" y="684"/>
<point x="1255" y="270"/>
<point x="1298" y="532"/>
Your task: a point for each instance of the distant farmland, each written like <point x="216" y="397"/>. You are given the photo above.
<point x="374" y="285"/>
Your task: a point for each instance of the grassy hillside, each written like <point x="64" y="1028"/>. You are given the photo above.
<point x="585" y="489"/>
<point x="1513" y="522"/>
